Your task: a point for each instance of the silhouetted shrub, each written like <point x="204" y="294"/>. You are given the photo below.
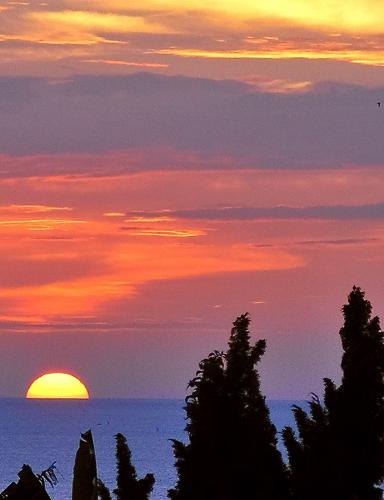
<point x="102" y="491"/>
<point x="128" y="486"/>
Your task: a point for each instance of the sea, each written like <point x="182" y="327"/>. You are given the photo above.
<point x="41" y="432"/>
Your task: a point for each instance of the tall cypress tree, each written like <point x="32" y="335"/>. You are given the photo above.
<point x="359" y="419"/>
<point x="339" y="451"/>
<point x="232" y="451"/>
<point x="128" y="486"/>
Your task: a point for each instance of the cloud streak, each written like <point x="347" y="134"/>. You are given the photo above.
<point x="291" y="44"/>
<point x="330" y="212"/>
<point x="31" y="209"/>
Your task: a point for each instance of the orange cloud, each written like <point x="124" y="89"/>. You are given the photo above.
<point x="165" y="233"/>
<point x="140" y="219"/>
<point x="62" y="276"/>
<point x="83" y="264"/>
<point x="122" y="267"/>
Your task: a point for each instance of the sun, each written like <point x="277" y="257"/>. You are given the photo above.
<point x="57" y="385"/>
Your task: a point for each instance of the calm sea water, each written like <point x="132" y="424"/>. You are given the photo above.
<point x="41" y="432"/>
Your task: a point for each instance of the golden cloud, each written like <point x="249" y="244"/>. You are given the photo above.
<point x="349" y="15"/>
<point x="88" y="21"/>
<point x="114" y="35"/>
<point x="374" y="58"/>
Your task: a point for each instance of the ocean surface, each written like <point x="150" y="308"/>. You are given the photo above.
<point x="39" y="432"/>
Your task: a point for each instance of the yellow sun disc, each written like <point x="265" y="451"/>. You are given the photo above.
<point x="57" y="386"/>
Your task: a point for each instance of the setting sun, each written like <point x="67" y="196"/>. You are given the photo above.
<point x="57" y="386"/>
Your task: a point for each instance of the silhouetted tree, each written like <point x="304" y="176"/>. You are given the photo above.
<point x="102" y="491"/>
<point x="232" y="453"/>
<point x="128" y="486"/>
<point x="339" y="451"/>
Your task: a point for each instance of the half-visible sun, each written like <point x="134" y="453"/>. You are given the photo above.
<point x="57" y="386"/>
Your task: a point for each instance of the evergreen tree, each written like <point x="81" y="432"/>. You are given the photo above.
<point x="232" y="451"/>
<point x="339" y="451"/>
<point x="128" y="486"/>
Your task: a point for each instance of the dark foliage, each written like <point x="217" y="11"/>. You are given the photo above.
<point x="102" y="491"/>
<point x="339" y="451"/>
<point x="29" y="487"/>
<point x="128" y="486"/>
<point x="232" y="452"/>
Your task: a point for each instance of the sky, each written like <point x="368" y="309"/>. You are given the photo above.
<point x="166" y="167"/>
